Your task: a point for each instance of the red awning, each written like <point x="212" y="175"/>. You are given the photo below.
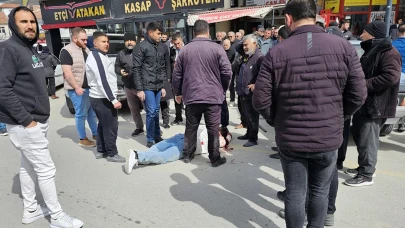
<point x="69" y="25"/>
<point x="215" y="16"/>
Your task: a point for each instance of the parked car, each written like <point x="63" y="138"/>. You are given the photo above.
<point x="400" y="113"/>
<point x="116" y="45"/>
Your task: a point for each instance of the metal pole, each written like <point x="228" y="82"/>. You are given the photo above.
<point x="272" y="20"/>
<point x="388" y="17"/>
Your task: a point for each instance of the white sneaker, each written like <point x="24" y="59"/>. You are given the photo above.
<point x="66" y="221"/>
<point x="232" y="104"/>
<point x="131" y="162"/>
<point x="40" y="212"/>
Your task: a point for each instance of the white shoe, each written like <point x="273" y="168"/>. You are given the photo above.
<point x="66" y="221"/>
<point x="40" y="212"/>
<point x="131" y="162"/>
<point x="232" y="104"/>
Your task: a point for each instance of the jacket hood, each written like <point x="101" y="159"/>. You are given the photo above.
<point x="14" y="29"/>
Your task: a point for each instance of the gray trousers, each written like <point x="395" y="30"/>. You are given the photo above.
<point x="366" y="135"/>
<point x="135" y="106"/>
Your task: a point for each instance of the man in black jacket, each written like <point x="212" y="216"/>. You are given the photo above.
<point x="24" y="107"/>
<point x="151" y="69"/>
<point x="178" y="43"/>
<point x="123" y="67"/>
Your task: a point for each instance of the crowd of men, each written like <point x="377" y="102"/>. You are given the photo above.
<point x="307" y="83"/>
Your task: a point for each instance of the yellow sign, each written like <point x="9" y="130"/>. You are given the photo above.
<point x="333" y="5"/>
<point x="24" y="2"/>
<point x="382" y="2"/>
<point x="137" y="7"/>
<point x="357" y="2"/>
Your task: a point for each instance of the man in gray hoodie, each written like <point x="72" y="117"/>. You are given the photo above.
<point x="24" y="107"/>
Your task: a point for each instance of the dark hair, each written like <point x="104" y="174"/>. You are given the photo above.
<point x="99" y="34"/>
<point x="399" y="19"/>
<point x="401" y="29"/>
<point x="176" y="36"/>
<point x="153" y="26"/>
<point x="301" y="9"/>
<point x="283" y="32"/>
<point x="165" y="33"/>
<point x="201" y="27"/>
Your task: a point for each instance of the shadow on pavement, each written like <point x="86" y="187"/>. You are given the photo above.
<point x="70" y="132"/>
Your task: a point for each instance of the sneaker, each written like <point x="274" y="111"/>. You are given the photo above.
<point x="359" y="180"/>
<point x="150" y="144"/>
<point x="40" y="212"/>
<point x="239" y="126"/>
<point x="243" y="137"/>
<point x="101" y="155"/>
<point x="330" y="220"/>
<point x="188" y="158"/>
<point x="250" y="143"/>
<point x="137" y="132"/>
<point x="177" y="121"/>
<point x="116" y="158"/>
<point x="3" y="132"/>
<point x="275" y="156"/>
<point x="132" y="160"/>
<point x="281" y="195"/>
<point x="66" y="221"/>
<point x="219" y="162"/>
<point x="355" y="172"/>
<point x="401" y="127"/>
<point x="166" y="126"/>
<point x="158" y="139"/>
<point x="86" y="143"/>
<point x="232" y="104"/>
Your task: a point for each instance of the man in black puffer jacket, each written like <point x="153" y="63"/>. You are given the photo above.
<point x="151" y="69"/>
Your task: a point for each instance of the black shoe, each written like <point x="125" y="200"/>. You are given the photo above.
<point x="275" y="156"/>
<point x="150" y="144"/>
<point x="158" y="139"/>
<point x="137" y="132"/>
<point x="281" y="195"/>
<point x="352" y="172"/>
<point x="188" y="158"/>
<point x="274" y="148"/>
<point x="166" y="126"/>
<point x="244" y="137"/>
<point x="339" y="166"/>
<point x="177" y="121"/>
<point x="219" y="162"/>
<point x="250" y="143"/>
<point x="401" y="128"/>
<point x="359" y="180"/>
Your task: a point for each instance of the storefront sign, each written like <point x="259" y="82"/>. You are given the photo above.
<point x="381" y="14"/>
<point x="357" y="2"/>
<point x="74" y="11"/>
<point x="264" y="2"/>
<point x="125" y="8"/>
<point x="382" y="2"/>
<point x="333" y="5"/>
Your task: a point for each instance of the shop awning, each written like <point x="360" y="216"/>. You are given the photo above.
<point x="215" y="16"/>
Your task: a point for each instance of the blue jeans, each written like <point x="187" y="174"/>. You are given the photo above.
<point x="152" y="104"/>
<point x="302" y="172"/>
<point x="83" y="111"/>
<point x="168" y="150"/>
<point x="2" y="126"/>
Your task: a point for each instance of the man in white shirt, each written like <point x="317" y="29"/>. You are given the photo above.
<point x="102" y="80"/>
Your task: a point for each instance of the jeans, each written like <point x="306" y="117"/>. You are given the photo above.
<point x="252" y="117"/>
<point x="135" y="106"/>
<point x="304" y="172"/>
<point x="107" y="128"/>
<point x="50" y="81"/>
<point x="366" y="135"/>
<point x="343" y="148"/>
<point x="152" y="106"/>
<point x="2" y="126"/>
<point x="83" y="112"/>
<point x="212" y="116"/>
<point x="36" y="165"/>
<point x="168" y="150"/>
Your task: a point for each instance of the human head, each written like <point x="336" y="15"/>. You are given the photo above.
<point x="231" y="36"/>
<point x="218" y="35"/>
<point x="345" y="24"/>
<point x="129" y="40"/>
<point x="164" y="37"/>
<point x="399" y="21"/>
<point x="275" y="33"/>
<point x="375" y="29"/>
<point x="226" y="44"/>
<point x="267" y="34"/>
<point x="242" y="32"/>
<point x="249" y="44"/>
<point x="333" y="23"/>
<point x="154" y="31"/>
<point x="283" y="33"/>
<point x="238" y="35"/>
<point x="24" y="24"/>
<point x="223" y="35"/>
<point x="79" y="37"/>
<point x="401" y="30"/>
<point x="201" y="29"/>
<point x="101" y="41"/>
<point x="261" y="32"/>
<point x="177" y="41"/>
<point x="300" y="12"/>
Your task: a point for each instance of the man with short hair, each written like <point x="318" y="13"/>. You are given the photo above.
<point x="399" y="44"/>
<point x="174" y="53"/>
<point x="394" y="29"/>
<point x="344" y="27"/>
<point x="233" y="39"/>
<point x="238" y="36"/>
<point x="123" y="67"/>
<point x="201" y="77"/>
<point x="382" y="66"/>
<point x="266" y="42"/>
<point x="333" y="29"/>
<point x="242" y="32"/>
<point x="151" y="69"/>
<point x="73" y="60"/>
<point x="25" y="108"/>
<point x="275" y="36"/>
<point x="219" y="36"/>
<point x="307" y="109"/>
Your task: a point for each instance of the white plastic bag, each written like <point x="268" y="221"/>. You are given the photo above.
<point x="202" y="147"/>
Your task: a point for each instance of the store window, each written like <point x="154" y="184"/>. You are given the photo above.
<point x="356" y="8"/>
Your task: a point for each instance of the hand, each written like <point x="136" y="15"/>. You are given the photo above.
<point x="163" y="92"/>
<point x="251" y="87"/>
<point x="32" y="124"/>
<point x="79" y="91"/>
<point x="118" y="105"/>
<point x="123" y="73"/>
<point x="178" y="99"/>
<point x="141" y="95"/>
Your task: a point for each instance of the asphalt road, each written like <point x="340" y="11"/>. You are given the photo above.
<point x="241" y="193"/>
